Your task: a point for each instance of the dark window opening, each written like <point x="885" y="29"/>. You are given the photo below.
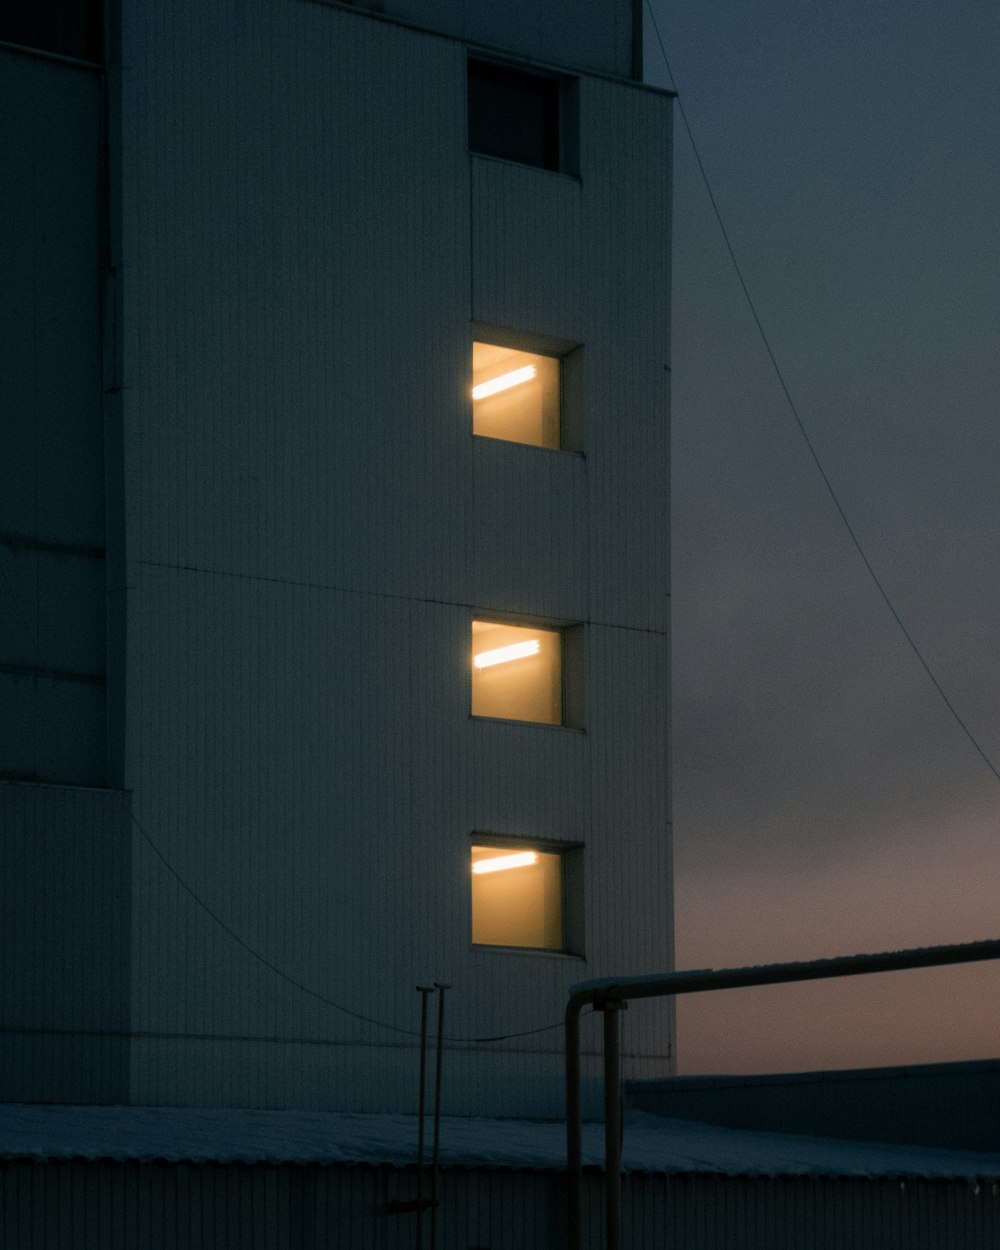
<point x="514" y="115"/>
<point x="68" y="27"/>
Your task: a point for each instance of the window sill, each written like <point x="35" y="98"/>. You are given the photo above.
<point x="574" y="179"/>
<point x="532" y="724"/>
<point x="527" y="950"/>
<point x="41" y="783"/>
<point x="533" y="447"/>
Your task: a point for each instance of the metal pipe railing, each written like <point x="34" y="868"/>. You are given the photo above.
<point x="613" y="1123"/>
<point x="423" y="991"/>
<point x="610" y="994"/>
<point x="440" y="987"/>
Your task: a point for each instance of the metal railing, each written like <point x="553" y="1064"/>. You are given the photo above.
<point x="610" y="995"/>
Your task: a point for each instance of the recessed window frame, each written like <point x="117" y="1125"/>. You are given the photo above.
<point x="558" y="149"/>
<point x="572" y="668"/>
<point x="572" y="867"/>
<point x="570" y="358"/>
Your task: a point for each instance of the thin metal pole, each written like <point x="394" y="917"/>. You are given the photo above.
<point x="612" y="1126"/>
<point x="423" y="991"/>
<point x="437" y="1112"/>
<point x="574" y="1130"/>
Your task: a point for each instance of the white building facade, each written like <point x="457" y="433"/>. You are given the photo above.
<point x="337" y="367"/>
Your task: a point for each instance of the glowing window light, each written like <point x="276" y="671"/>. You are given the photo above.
<point x="501" y="655"/>
<point x="504" y="382"/>
<point x="521" y="859"/>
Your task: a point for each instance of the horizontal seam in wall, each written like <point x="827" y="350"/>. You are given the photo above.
<point x="52" y="674"/>
<point x="26" y="542"/>
<point x="152" y="1035"/>
<point x="505" y="54"/>
<point x="376" y="594"/>
<point x="59" y="58"/>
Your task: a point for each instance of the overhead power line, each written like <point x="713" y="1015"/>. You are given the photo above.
<point x="69" y="716"/>
<point x="793" y="408"/>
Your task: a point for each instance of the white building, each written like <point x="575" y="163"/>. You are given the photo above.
<point x="333" y="564"/>
<point x="256" y="522"/>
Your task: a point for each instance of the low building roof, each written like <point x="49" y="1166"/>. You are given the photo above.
<point x="652" y="1144"/>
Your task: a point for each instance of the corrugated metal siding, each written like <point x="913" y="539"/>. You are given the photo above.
<point x="51" y="376"/>
<point x="64" y="931"/>
<point x="530" y="530"/>
<point x="52" y="576"/>
<point x="77" y="1206"/>
<point x="579" y="34"/>
<point x="299" y="264"/>
<point x="312" y="526"/>
<point x="588" y="262"/>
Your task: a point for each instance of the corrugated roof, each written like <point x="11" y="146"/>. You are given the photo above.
<point x="651" y="1143"/>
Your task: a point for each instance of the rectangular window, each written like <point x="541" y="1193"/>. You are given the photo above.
<point x="515" y="395"/>
<point x="514" y="115"/>
<point x="517" y="672"/>
<point x="517" y="897"/>
<point x="527" y="895"/>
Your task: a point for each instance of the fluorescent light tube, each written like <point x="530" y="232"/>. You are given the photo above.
<point x="501" y="655"/>
<point x="521" y="859"/>
<point x="504" y="382"/>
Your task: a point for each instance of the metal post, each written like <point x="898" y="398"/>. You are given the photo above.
<point x="660" y="985"/>
<point x="423" y="991"/>
<point x="437" y="1112"/>
<point x="574" y="1130"/>
<point x="612" y="1124"/>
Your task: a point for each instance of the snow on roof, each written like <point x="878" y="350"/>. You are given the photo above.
<point x="651" y="1143"/>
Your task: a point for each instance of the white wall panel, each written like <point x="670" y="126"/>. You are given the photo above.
<point x="53" y="614"/>
<point x="64" y="930"/>
<point x="531" y="549"/>
<point x="313" y="527"/>
<point x="52" y="577"/>
<point x="580" y="34"/>
<point x="588" y="261"/>
<point x="50" y="346"/>
<point x="630" y="899"/>
<point x="74" y="1205"/>
<point x="320" y="802"/>
<point x="302" y="238"/>
<point x="53" y="729"/>
<point x="528" y="780"/>
<point x="529" y="268"/>
<point x="628" y="415"/>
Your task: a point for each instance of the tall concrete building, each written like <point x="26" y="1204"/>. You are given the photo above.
<point x="334" y="538"/>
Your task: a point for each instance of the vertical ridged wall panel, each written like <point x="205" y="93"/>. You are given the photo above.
<point x="300" y="267"/>
<point x="50" y="321"/>
<point x="588" y="261"/>
<point x="531" y="550"/>
<point x="52" y="575"/>
<point x="75" y="1205"/>
<point x="64" y="944"/>
<point x="628" y="424"/>
<point x="312" y="528"/>
<point x="578" y="34"/>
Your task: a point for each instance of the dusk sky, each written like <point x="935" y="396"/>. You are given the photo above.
<point x="825" y="800"/>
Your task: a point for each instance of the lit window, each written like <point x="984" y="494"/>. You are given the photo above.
<point x="517" y="672"/>
<point x="515" y="395"/>
<point x="517" y="897"/>
<point x="514" y="115"/>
